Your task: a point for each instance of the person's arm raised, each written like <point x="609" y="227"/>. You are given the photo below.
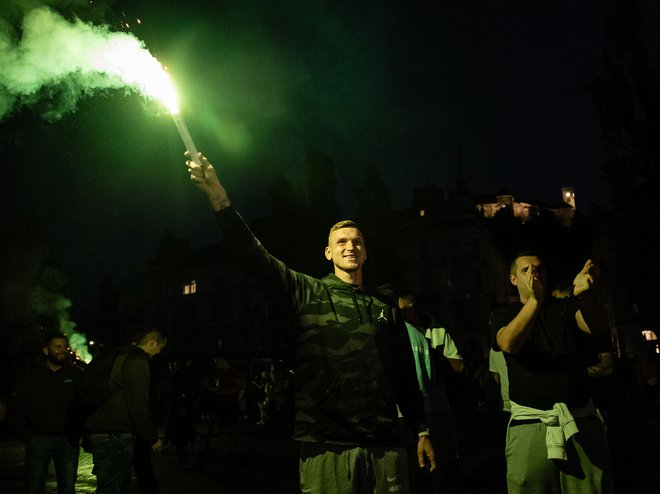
<point x="208" y="182"/>
<point x="511" y="337"/>
<point x="591" y="316"/>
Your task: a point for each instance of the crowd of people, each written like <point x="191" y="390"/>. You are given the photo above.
<point x="372" y="396"/>
<point x="62" y="404"/>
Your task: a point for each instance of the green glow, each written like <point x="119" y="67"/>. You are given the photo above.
<point x="86" y="57"/>
<point x="78" y="343"/>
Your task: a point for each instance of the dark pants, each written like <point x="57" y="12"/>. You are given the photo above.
<point x="38" y="453"/>
<point x="113" y="461"/>
<point x="446" y="479"/>
<point x="144" y="470"/>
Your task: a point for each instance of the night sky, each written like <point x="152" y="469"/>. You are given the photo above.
<point x="263" y="83"/>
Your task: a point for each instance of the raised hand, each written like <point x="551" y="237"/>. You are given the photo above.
<point x="585" y="278"/>
<point x="208" y="182"/>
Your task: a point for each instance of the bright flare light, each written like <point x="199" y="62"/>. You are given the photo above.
<point x="87" y="58"/>
<point x="126" y="58"/>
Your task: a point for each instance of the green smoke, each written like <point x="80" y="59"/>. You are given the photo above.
<point x="61" y="61"/>
<point x="78" y="343"/>
<point x="47" y="303"/>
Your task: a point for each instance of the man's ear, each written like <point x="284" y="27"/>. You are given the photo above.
<point x="513" y="279"/>
<point x="328" y="254"/>
<point x="44" y="350"/>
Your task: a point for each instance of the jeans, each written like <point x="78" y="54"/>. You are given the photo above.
<point x="113" y="461"/>
<point x="144" y="470"/>
<point x="38" y="452"/>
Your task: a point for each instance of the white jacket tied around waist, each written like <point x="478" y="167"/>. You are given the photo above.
<point x="560" y="422"/>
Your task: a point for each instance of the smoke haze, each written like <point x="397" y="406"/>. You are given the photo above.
<point x="59" y="62"/>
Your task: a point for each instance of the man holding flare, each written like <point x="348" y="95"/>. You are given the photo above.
<point x="350" y="372"/>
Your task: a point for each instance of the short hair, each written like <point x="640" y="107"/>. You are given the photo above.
<point x="150" y="334"/>
<point x="523" y="253"/>
<point x="53" y="336"/>
<point x="344" y="224"/>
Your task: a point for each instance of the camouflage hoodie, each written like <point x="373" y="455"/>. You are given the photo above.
<point x="353" y="358"/>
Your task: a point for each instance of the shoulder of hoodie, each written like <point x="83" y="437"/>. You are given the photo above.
<point x="135" y="357"/>
<point x="135" y="353"/>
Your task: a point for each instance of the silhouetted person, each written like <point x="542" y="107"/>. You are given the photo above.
<point x="226" y="386"/>
<point x="432" y="345"/>
<point x="184" y="395"/>
<point x="260" y="383"/>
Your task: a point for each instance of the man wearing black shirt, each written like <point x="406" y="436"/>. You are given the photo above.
<point x="42" y="411"/>
<point x="555" y="440"/>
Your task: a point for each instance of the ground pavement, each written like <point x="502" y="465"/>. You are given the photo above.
<point x="270" y="460"/>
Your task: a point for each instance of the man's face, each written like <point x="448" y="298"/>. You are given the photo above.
<point x="57" y="351"/>
<point x="346" y="249"/>
<point x="529" y="269"/>
<point x="154" y="348"/>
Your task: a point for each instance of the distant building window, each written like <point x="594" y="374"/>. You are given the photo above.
<point x="190" y="288"/>
<point x="649" y="335"/>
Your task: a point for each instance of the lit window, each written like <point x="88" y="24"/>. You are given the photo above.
<point x="190" y="288"/>
<point x="649" y="335"/>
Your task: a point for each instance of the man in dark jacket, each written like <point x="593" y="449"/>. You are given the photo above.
<point x="111" y="430"/>
<point x="350" y="370"/>
<point x="41" y="409"/>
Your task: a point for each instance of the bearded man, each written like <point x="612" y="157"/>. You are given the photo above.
<point x="41" y="409"/>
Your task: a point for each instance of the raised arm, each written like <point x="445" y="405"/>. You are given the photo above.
<point x="208" y="182"/>
<point x="584" y="279"/>
<point x="531" y="287"/>
<point x="286" y="284"/>
<point x="511" y="337"/>
<point x="591" y="317"/>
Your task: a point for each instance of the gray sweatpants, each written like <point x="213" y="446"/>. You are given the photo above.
<point x="336" y="469"/>
<point x="586" y="471"/>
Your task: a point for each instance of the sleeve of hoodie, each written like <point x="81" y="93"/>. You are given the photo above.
<point x="279" y="280"/>
<point x="136" y="394"/>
